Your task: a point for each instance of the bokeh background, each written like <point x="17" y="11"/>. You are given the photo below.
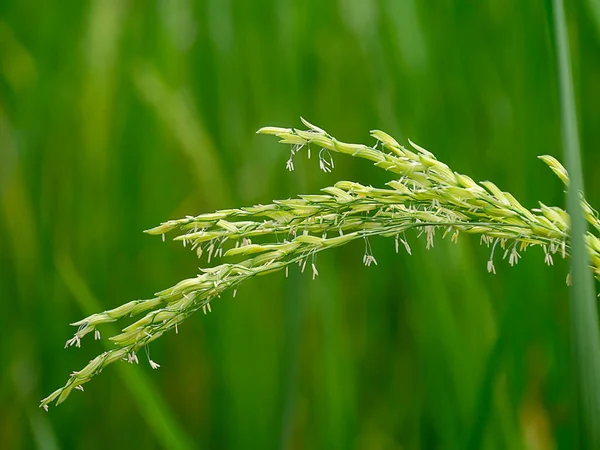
<point x="116" y="115"/>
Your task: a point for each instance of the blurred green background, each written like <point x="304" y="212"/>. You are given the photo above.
<point x="116" y="115"/>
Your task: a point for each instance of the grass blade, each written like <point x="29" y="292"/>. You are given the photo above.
<point x="584" y="319"/>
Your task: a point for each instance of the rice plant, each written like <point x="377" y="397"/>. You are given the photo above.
<point x="424" y="195"/>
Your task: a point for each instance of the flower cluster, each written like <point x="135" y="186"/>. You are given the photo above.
<point x="424" y="195"/>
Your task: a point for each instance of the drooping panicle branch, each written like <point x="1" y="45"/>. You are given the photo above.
<point x="425" y="195"/>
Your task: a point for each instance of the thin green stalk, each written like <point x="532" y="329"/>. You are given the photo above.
<point x="584" y="314"/>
